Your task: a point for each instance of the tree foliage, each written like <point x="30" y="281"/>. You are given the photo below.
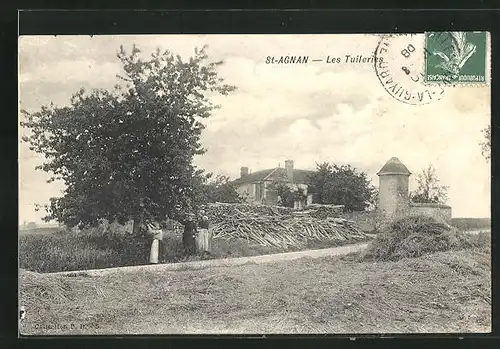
<point x="127" y="153"/>
<point x="287" y="194"/>
<point x="210" y="189"/>
<point x="486" y="143"/>
<point x="31" y="225"/>
<point x="341" y="185"/>
<point x="428" y="188"/>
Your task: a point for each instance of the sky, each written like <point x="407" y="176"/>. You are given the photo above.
<point x="308" y="113"/>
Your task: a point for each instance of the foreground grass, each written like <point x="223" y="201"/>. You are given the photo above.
<point x="441" y="292"/>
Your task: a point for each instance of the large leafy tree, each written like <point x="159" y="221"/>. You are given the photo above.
<point x="127" y="153"/>
<point x="429" y="189"/>
<point x="341" y="185"/>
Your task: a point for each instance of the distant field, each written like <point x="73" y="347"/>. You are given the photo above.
<point x="471" y="223"/>
<point x="45" y="230"/>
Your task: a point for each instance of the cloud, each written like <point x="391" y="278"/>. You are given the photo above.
<point x="36" y="50"/>
<point x="73" y="70"/>
<point x="33" y="94"/>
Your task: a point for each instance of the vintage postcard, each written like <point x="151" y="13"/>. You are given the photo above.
<point x="255" y="184"/>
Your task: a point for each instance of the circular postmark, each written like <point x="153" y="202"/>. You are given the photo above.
<point x="399" y="66"/>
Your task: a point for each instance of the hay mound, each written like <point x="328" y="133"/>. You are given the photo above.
<point x="415" y="236"/>
<point x="37" y="289"/>
<point x="278" y="226"/>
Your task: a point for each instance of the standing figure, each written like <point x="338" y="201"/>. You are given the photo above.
<point x="154" y="230"/>
<point x="188" y="237"/>
<point x="204" y="220"/>
<point x="204" y="237"/>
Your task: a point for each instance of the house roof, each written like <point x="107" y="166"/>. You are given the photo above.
<point x="254" y="176"/>
<point x="299" y="176"/>
<point x="394" y="166"/>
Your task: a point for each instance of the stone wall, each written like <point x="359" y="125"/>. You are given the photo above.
<point x="437" y="211"/>
<point x="368" y="221"/>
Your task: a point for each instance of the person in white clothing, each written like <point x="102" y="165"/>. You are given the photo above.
<point x="155" y="231"/>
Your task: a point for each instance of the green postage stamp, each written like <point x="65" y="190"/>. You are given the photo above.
<point x="456" y="57"/>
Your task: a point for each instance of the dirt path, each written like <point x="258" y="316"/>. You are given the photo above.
<point x="334" y="251"/>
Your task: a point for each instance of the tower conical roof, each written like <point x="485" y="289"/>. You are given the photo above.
<point x="394" y="167"/>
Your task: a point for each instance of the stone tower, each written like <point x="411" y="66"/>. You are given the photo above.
<point x="393" y="200"/>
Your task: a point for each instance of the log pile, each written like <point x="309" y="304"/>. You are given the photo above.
<point x="322" y="211"/>
<point x="295" y="232"/>
<point x="271" y="226"/>
<point x="220" y="212"/>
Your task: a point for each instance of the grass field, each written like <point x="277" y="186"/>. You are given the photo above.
<point x="64" y="251"/>
<point x="50" y="250"/>
<point x="68" y="251"/>
<point x="441" y="292"/>
<point x="471" y="223"/>
<point x="43" y="230"/>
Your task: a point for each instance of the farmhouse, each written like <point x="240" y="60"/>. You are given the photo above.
<point x="255" y="186"/>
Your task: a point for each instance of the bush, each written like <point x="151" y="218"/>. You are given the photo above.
<point x="89" y="249"/>
<point x="415" y="236"/>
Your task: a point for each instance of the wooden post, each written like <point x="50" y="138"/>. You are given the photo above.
<point x="204" y="240"/>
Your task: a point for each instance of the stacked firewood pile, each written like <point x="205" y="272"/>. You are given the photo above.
<point x="277" y="227"/>
<point x="323" y="211"/>
<point x="221" y="212"/>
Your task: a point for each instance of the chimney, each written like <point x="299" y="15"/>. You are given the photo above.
<point x="289" y="169"/>
<point x="244" y="172"/>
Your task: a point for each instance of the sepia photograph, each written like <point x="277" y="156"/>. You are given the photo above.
<point x="254" y="184"/>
